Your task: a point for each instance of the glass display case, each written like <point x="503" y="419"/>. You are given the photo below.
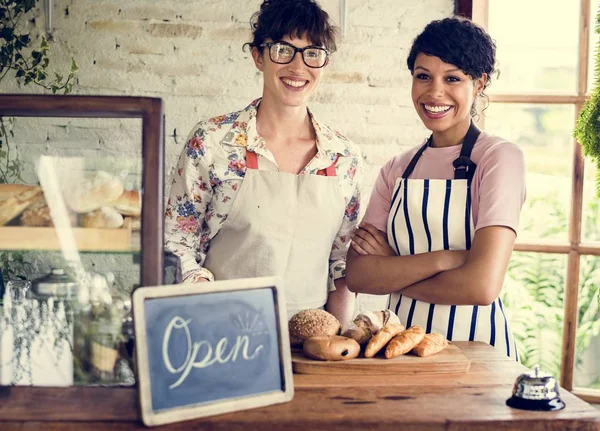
<point x="81" y="208"/>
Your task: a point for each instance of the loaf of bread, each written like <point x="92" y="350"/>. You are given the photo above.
<point x="430" y="345"/>
<point x="11" y="190"/>
<point x="404" y="342"/>
<point x="367" y="324"/>
<point x="331" y="348"/>
<point x="93" y="192"/>
<point x="379" y="340"/>
<point x="312" y="323"/>
<point x="103" y="218"/>
<point x="129" y="203"/>
<point x="14" y="206"/>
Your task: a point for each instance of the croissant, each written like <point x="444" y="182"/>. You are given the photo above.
<point x="379" y="340"/>
<point x="405" y="341"/>
<point x="430" y="344"/>
<point x="367" y="324"/>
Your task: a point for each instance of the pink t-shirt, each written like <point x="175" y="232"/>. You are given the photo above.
<point x="497" y="189"/>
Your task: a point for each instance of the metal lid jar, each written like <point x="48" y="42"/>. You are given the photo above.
<point x="53" y="285"/>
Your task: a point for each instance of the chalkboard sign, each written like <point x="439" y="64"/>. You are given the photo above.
<point x="211" y="348"/>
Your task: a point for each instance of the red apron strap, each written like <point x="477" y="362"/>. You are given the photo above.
<point x="329" y="171"/>
<point x="251" y="160"/>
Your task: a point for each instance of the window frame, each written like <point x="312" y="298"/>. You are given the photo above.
<point x="574" y="248"/>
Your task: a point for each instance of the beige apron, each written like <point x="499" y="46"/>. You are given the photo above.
<point x="281" y="224"/>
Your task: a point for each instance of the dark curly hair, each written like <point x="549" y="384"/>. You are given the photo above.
<point x="294" y="18"/>
<point x="460" y="42"/>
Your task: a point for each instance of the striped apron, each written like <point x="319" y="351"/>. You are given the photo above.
<point x="429" y="215"/>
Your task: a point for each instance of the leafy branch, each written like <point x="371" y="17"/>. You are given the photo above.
<point x="29" y="64"/>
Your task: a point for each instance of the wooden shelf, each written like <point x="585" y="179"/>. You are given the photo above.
<point x="86" y="239"/>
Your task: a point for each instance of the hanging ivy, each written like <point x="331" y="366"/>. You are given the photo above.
<point x="587" y="128"/>
<point x="27" y="61"/>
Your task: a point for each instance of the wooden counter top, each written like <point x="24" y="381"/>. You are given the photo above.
<point x="474" y="400"/>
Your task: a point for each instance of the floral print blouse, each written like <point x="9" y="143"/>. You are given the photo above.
<point x="211" y="169"/>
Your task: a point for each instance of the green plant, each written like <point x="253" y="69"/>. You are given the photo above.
<point x="587" y="129"/>
<point x="29" y="62"/>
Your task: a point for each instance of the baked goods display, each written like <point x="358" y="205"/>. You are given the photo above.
<point x="374" y="333"/>
<point x="92" y="205"/>
<point x="312" y="323"/>
<point x="331" y="348"/>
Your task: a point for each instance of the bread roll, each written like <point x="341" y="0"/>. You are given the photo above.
<point x="14" y="206"/>
<point x="312" y="323"/>
<point x="105" y="217"/>
<point x="93" y="192"/>
<point x="405" y="341"/>
<point x="38" y="215"/>
<point x="129" y="203"/>
<point x="379" y="340"/>
<point x="430" y="345"/>
<point x="331" y="348"/>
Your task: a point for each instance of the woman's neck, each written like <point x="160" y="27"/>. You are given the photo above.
<point x="452" y="136"/>
<point x="282" y="122"/>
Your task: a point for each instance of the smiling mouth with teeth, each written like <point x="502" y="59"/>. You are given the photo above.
<point x="436" y="109"/>
<point x="296" y="84"/>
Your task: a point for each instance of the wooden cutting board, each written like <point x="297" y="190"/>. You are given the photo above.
<point x="449" y="360"/>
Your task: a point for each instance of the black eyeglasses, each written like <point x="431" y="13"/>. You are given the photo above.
<point x="284" y="53"/>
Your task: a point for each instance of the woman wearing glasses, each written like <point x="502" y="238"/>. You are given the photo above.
<point x="269" y="190"/>
<point x="442" y="220"/>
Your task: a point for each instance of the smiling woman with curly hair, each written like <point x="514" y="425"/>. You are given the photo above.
<point x="442" y="220"/>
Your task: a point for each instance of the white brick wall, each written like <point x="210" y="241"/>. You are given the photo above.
<point x="189" y="53"/>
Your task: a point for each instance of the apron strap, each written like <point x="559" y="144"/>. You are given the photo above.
<point x="329" y="171"/>
<point x="411" y="166"/>
<point x="252" y="163"/>
<point x="251" y="160"/>
<point x="464" y="168"/>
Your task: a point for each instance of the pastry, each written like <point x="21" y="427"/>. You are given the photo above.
<point x="129" y="203"/>
<point x="14" y="206"/>
<point x="331" y="348"/>
<point x="430" y="345"/>
<point x="404" y="342"/>
<point x="11" y="190"/>
<point x="311" y="323"/>
<point x="379" y="340"/>
<point x="93" y="192"/>
<point x="105" y="217"/>
<point x="366" y="324"/>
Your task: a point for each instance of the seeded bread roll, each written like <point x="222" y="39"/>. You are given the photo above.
<point x="331" y="348"/>
<point x="312" y="323"/>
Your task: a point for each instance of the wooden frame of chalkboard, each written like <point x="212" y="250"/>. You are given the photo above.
<point x="211" y="348"/>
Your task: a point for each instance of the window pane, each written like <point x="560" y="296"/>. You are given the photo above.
<point x="533" y="299"/>
<point x="536" y="47"/>
<point x="544" y="134"/>
<point x="590" y="225"/>
<point x="593" y="48"/>
<point x="587" y="366"/>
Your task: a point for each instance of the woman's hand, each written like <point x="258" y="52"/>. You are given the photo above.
<point x="368" y="240"/>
